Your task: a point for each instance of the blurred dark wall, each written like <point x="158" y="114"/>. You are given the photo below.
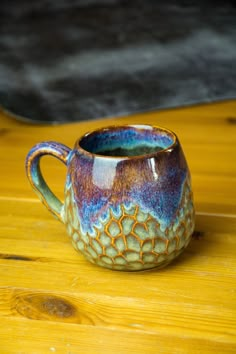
<point x="75" y="60"/>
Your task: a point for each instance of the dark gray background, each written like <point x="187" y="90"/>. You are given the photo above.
<point x="77" y="60"/>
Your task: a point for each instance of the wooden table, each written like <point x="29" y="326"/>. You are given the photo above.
<point x="53" y="301"/>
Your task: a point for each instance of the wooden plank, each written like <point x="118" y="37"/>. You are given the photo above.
<point x="208" y="264"/>
<point x="53" y="300"/>
<point x="37" y="337"/>
<point x="144" y="312"/>
<point x="211" y="278"/>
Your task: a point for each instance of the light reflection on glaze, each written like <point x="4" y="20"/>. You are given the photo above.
<point x="104" y="173"/>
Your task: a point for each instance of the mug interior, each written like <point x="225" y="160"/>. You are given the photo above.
<point x="135" y="140"/>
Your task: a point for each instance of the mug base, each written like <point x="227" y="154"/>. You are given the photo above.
<point x="138" y="266"/>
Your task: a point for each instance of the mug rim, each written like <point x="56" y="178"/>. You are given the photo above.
<point x="169" y="148"/>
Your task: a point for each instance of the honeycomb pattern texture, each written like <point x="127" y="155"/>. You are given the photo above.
<point x="132" y="239"/>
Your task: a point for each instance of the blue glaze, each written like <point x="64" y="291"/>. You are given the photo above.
<point x="161" y="203"/>
<point x="102" y="184"/>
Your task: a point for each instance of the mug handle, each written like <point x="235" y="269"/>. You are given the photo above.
<point x="33" y="171"/>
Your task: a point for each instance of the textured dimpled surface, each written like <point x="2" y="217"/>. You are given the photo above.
<point x="131" y="239"/>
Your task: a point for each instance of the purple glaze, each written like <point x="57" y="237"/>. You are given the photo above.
<point x="153" y="181"/>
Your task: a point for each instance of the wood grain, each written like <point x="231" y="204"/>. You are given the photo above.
<point x="53" y="301"/>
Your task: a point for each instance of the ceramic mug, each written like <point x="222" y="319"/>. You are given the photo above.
<point x="128" y="199"/>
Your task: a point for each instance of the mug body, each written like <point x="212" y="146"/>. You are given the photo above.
<point x="128" y="199"/>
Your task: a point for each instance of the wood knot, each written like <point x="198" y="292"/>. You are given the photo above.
<point x="45" y="307"/>
<point x="197" y="235"/>
<point x="4" y="131"/>
<point x="57" y="307"/>
<point x="231" y="120"/>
